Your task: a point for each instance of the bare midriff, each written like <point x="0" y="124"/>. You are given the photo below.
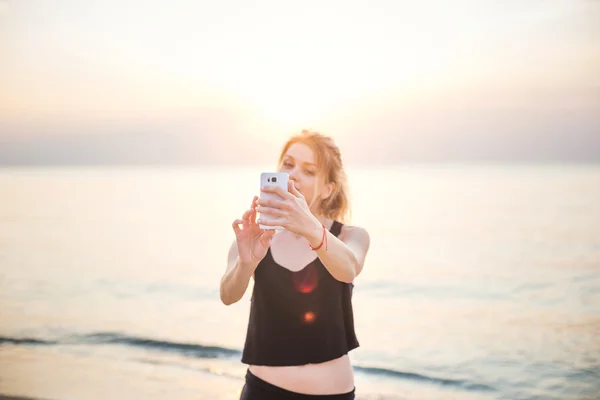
<point x="330" y="377"/>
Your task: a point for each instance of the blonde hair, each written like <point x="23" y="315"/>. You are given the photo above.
<point x="331" y="169"/>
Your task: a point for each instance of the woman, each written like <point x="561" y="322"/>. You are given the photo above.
<point x="301" y="324"/>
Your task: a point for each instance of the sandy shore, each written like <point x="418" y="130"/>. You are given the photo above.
<point x="36" y="373"/>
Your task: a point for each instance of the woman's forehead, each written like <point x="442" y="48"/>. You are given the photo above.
<point x="301" y="153"/>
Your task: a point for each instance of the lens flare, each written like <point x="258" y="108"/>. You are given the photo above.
<point x="309" y="317"/>
<point x="306" y="280"/>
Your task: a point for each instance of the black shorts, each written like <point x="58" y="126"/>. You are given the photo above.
<point x="258" y="389"/>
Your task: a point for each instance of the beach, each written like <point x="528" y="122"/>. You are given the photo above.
<point x="484" y="285"/>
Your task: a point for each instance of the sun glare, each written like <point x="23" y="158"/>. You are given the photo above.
<point x="294" y="105"/>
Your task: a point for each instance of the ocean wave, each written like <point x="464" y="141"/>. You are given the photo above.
<point x="187" y="349"/>
<point x="391" y="373"/>
<point x="212" y="352"/>
<point x="25" y="341"/>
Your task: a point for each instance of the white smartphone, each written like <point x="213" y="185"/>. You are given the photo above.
<point x="280" y="179"/>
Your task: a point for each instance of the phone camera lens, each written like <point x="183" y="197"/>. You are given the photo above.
<point x="274" y="179"/>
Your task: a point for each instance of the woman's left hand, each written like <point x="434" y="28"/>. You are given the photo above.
<point x="291" y="212"/>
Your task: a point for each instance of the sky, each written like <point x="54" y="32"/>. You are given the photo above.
<point x="223" y="81"/>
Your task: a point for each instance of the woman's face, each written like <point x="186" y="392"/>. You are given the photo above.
<point x="300" y="164"/>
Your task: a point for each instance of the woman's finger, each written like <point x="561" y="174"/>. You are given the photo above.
<point x="236" y="226"/>
<point x="246" y="218"/>
<point x="282" y="205"/>
<point x="271" y="211"/>
<point x="293" y="190"/>
<point x="253" y="208"/>
<point x="265" y="237"/>
<point x="273" y="222"/>
<point x="284" y="194"/>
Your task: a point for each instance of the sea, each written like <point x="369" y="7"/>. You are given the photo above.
<point x="481" y="282"/>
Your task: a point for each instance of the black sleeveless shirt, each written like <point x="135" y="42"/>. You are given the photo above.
<point x="298" y="318"/>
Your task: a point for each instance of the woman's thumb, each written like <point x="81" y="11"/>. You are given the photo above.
<point x="266" y="236"/>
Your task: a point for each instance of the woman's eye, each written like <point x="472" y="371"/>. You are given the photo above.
<point x="310" y="172"/>
<point x="287" y="165"/>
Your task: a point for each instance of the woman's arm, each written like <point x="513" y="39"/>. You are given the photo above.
<point x="344" y="257"/>
<point x="248" y="249"/>
<point x="236" y="278"/>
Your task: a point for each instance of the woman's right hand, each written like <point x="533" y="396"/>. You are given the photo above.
<point x="252" y="241"/>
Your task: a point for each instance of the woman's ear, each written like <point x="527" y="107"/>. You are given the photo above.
<point x="328" y="190"/>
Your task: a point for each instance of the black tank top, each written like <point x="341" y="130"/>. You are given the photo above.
<point x="298" y="318"/>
